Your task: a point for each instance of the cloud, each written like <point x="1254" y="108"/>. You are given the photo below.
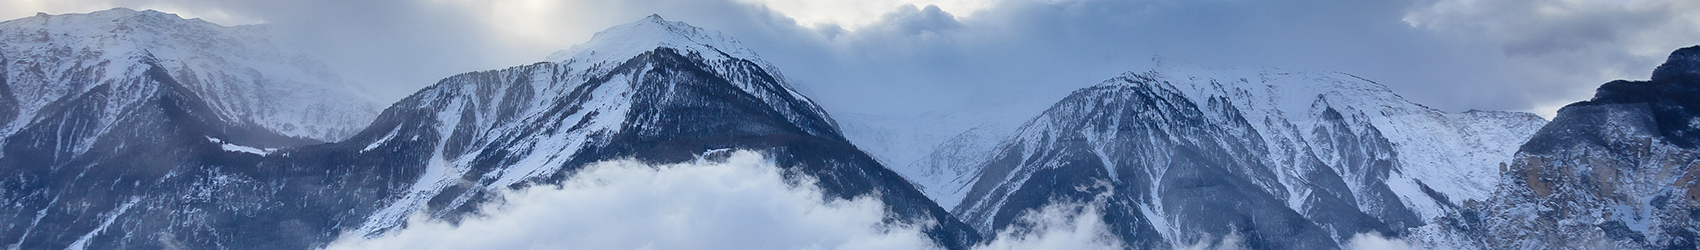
<point x="1559" y="51"/>
<point x="1058" y="226"/>
<point x="739" y="203"/>
<point x="1536" y="27"/>
<point x="1374" y="241"/>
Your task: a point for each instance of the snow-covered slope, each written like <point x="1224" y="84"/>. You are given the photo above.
<point x="122" y="121"/>
<point x="244" y="76"/>
<point x="542" y="116"/>
<point x="1326" y="154"/>
<point x="653" y="90"/>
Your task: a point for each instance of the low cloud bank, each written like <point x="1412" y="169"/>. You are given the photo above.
<point x="742" y="202"/>
<point x="1058" y="226"/>
<point x="1374" y="241"/>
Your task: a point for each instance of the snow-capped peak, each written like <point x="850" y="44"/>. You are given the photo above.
<point x="628" y="40"/>
<point x="113" y="16"/>
<point x="242" y="72"/>
<point x="121" y="26"/>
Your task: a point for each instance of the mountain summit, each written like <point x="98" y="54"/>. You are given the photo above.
<point x="630" y="39"/>
<point x="244" y="76"/>
<point x="681" y="91"/>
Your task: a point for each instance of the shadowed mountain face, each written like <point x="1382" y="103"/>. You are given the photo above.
<point x="67" y="182"/>
<point x="1173" y="167"/>
<point x="1616" y="171"/>
<point x="176" y="175"/>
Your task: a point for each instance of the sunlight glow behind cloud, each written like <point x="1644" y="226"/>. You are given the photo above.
<point x="855" y="14"/>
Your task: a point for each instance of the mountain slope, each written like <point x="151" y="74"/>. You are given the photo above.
<point x="1285" y="160"/>
<point x="246" y="78"/>
<point x="1615" y="171"/>
<point x="652" y="90"/>
<point x="119" y="113"/>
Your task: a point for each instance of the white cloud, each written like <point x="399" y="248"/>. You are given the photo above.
<point x="1058" y="226"/>
<point x="740" y="203"/>
<point x="1232" y="241"/>
<point x="1374" y="241"/>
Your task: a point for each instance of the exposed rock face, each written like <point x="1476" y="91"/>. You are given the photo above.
<point x="1616" y="171"/>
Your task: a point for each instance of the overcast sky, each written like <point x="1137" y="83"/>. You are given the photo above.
<point x="1455" y="55"/>
<point x="956" y="63"/>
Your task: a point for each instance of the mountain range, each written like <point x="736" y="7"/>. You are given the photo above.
<point x="140" y="129"/>
<point x="1289" y="160"/>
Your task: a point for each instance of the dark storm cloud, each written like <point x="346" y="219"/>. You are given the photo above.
<point x="1558" y="51"/>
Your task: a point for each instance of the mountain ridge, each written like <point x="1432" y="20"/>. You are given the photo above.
<point x="531" y="125"/>
<point x="114" y="133"/>
<point x="247" y="78"/>
<point x="1311" y="147"/>
<point x="458" y="144"/>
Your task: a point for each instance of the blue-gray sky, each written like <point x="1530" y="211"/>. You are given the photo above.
<point x="962" y="62"/>
<point x="1530" y="55"/>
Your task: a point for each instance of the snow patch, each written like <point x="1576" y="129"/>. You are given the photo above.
<point x="83" y="242"/>
<point x="242" y="149"/>
<point x="379" y="142"/>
